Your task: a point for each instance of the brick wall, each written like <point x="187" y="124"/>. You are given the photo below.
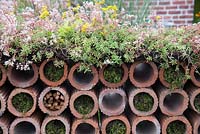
<point x="174" y="12"/>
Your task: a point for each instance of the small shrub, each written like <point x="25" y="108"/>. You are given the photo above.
<point x="116" y="127"/>
<point x="55" y="127"/>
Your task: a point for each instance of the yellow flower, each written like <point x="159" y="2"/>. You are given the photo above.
<point x="158" y="17"/>
<point x="114" y="8"/>
<point x="44" y="12"/>
<point x="85" y="27"/>
<point x="75" y="9"/>
<point x="64" y="15"/>
<point x="68" y="3"/>
<point x="197" y="15"/>
<point x="100" y="2"/>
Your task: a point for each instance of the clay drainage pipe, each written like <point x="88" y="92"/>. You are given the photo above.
<point x="143" y="101"/>
<point x="194" y="95"/>
<point x="4" y="93"/>
<point x="22" y="102"/>
<point x="53" y="100"/>
<point x="143" y="74"/>
<point x="109" y="124"/>
<point x="3" y="75"/>
<point x="56" y="124"/>
<point x="195" y="77"/>
<point x="5" y="122"/>
<point x="84" y="104"/>
<point x="172" y="102"/>
<point x="82" y="80"/>
<point x="26" y="125"/>
<point x="52" y="75"/>
<point x="112" y="101"/>
<point x="162" y="79"/>
<point x="194" y="118"/>
<point x="85" y="126"/>
<point x="145" y="125"/>
<point x="23" y="79"/>
<point x="175" y="124"/>
<point x="113" y="76"/>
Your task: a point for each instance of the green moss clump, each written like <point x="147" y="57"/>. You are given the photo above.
<point x="176" y="127"/>
<point x="22" y="102"/>
<point x="175" y="76"/>
<point x="113" y="74"/>
<point x="84" y="104"/>
<point x="55" y="127"/>
<point x="197" y="102"/>
<point x="52" y="72"/>
<point x="143" y="102"/>
<point x="116" y="127"/>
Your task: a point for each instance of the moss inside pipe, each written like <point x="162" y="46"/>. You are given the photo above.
<point x="197" y="102"/>
<point x="55" y="127"/>
<point x="52" y="72"/>
<point x="113" y="74"/>
<point x="84" y="104"/>
<point x="143" y="102"/>
<point x="22" y="102"/>
<point x="175" y="75"/>
<point x="176" y="127"/>
<point x="116" y="127"/>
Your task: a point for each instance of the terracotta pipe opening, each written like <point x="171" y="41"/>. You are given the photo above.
<point x="146" y="127"/>
<point x="24" y="127"/>
<point x="113" y="76"/>
<point x="52" y="75"/>
<point x="53" y="100"/>
<point x="116" y="125"/>
<point x="85" y="128"/>
<point x="143" y="74"/>
<point x="177" y="126"/>
<point x="173" y="101"/>
<point x="22" y="102"/>
<point x="83" y="80"/>
<point x="21" y="78"/>
<point x="83" y="104"/>
<point x="3" y="75"/>
<point x="112" y="101"/>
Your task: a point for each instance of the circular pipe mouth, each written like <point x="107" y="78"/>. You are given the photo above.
<point x="146" y="127"/>
<point x="173" y="101"/>
<point x="24" y="127"/>
<point x="83" y="80"/>
<point x="116" y="126"/>
<point x="85" y="128"/>
<point x="52" y="75"/>
<point x="176" y="126"/>
<point x="112" y="101"/>
<point x="143" y="74"/>
<point x="113" y="76"/>
<point x="84" y="104"/>
<point x="21" y="78"/>
<point x="55" y="126"/>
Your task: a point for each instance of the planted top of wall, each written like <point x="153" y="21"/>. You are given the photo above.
<point x="92" y="34"/>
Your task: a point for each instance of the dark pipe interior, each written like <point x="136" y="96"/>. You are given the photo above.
<point x="83" y="78"/>
<point x="199" y="130"/>
<point x="197" y="74"/>
<point x="85" y="128"/>
<point x="173" y="101"/>
<point x="112" y="101"/>
<point x="146" y="127"/>
<point x="24" y="128"/>
<point x="21" y="75"/>
<point x="1" y="130"/>
<point x="143" y="72"/>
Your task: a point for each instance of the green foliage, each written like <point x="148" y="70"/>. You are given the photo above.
<point x="22" y="102"/>
<point x="55" y="127"/>
<point x="197" y="102"/>
<point x="143" y="102"/>
<point x="176" y="127"/>
<point x="84" y="104"/>
<point x="175" y="75"/>
<point x="113" y="74"/>
<point x="116" y="127"/>
<point x="52" y="72"/>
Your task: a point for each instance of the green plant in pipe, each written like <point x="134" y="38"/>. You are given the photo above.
<point x="176" y="127"/>
<point x="116" y="127"/>
<point x="55" y="127"/>
<point x="113" y="74"/>
<point x="22" y="102"/>
<point x="143" y="102"/>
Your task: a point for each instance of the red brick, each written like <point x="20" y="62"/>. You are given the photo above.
<point x="171" y="7"/>
<point x="179" y="2"/>
<point x="185" y="16"/>
<point x="174" y="12"/>
<point x="184" y="7"/>
<point x="164" y="3"/>
<point x="179" y="21"/>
